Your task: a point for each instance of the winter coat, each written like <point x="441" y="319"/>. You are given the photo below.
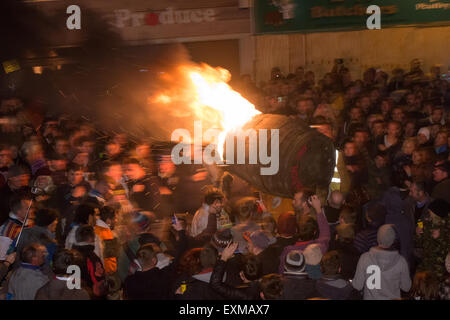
<point x="298" y="287"/>
<point x="25" y="282"/>
<point x="349" y="257"/>
<point x="336" y="288"/>
<point x="57" y="289"/>
<point x="153" y="284"/>
<point x="92" y="270"/>
<point x="442" y="190"/>
<point x="198" y="288"/>
<point x="367" y="238"/>
<point x="394" y="274"/>
<point x="397" y="215"/>
<point x="248" y="292"/>
<point x="109" y="245"/>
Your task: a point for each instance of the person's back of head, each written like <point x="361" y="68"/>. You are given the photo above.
<point x="32" y="251"/>
<point x="146" y="256"/>
<point x="348" y="215"/>
<point x="330" y="263"/>
<point x="287" y="224"/>
<point x="63" y="259"/>
<point x="85" y="234"/>
<point x="45" y="217"/>
<point x="376" y="214"/>
<point x="308" y="228"/>
<point x="425" y="286"/>
<point x="190" y="263"/>
<point x="106" y="213"/>
<point x="251" y="267"/>
<point x="16" y="204"/>
<point x="336" y="199"/>
<point x="271" y="286"/>
<point x="345" y="233"/>
<point x="208" y="257"/>
<point x="83" y="213"/>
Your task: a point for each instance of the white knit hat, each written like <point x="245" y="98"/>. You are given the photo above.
<point x="313" y="254"/>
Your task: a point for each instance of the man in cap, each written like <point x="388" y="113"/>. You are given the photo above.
<point x="382" y="272"/>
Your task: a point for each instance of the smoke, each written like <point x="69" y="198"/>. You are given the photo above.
<point x="113" y="85"/>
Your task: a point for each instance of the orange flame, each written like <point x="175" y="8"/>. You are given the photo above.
<point x="208" y="89"/>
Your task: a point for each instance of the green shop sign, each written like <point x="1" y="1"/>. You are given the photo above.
<point x="279" y="16"/>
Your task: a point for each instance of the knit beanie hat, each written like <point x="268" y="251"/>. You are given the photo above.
<point x="287" y="224"/>
<point x="313" y="254"/>
<point x="425" y="131"/>
<point x="295" y="262"/>
<point x="386" y="235"/>
<point x="439" y="207"/>
<point x="222" y="238"/>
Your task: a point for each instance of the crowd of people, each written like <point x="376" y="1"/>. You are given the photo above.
<point x="71" y="199"/>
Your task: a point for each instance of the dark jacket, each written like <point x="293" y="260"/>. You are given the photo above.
<point x="92" y="271"/>
<point x="198" y="288"/>
<point x="397" y="215"/>
<point x="299" y="287"/>
<point x="154" y="284"/>
<point x="336" y="288"/>
<point x="57" y="290"/>
<point x="367" y="238"/>
<point x="349" y="257"/>
<point x="249" y="292"/>
<point x="270" y="259"/>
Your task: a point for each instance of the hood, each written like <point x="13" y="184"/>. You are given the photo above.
<point x="393" y="201"/>
<point x="204" y="277"/>
<point x="384" y="259"/>
<point x="335" y="282"/>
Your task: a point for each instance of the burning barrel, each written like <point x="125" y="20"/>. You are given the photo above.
<point x="306" y="157"/>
